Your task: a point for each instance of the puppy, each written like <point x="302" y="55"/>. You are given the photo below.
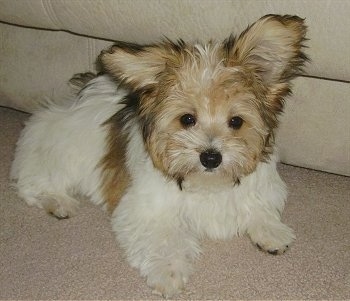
<point x="176" y="140"/>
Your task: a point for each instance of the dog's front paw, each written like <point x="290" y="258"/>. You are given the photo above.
<point x="274" y="239"/>
<point x="167" y="281"/>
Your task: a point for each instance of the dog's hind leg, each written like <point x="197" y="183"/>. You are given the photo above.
<point x="60" y="205"/>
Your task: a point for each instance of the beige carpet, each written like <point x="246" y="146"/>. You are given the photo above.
<point x="78" y="258"/>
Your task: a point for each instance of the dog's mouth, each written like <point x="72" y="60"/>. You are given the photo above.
<point x="211" y="179"/>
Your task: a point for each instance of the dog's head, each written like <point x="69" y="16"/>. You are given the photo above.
<point x="211" y="109"/>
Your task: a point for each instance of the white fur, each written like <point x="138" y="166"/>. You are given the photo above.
<point x="60" y="147"/>
<point x="157" y="224"/>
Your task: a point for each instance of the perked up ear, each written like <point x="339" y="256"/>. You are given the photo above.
<point x="271" y="47"/>
<point x="140" y="65"/>
<point x="133" y="64"/>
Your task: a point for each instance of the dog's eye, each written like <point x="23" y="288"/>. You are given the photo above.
<point x="188" y="120"/>
<point x="236" y="122"/>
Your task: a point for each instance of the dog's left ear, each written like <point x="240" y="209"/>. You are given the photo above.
<point x="271" y="47"/>
<point x="137" y="66"/>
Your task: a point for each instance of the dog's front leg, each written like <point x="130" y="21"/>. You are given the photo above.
<point x="270" y="234"/>
<point x="159" y="244"/>
<point x="264" y="204"/>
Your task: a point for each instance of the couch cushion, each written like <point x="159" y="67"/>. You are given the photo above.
<point x="37" y="64"/>
<point x="315" y="129"/>
<point x="144" y="21"/>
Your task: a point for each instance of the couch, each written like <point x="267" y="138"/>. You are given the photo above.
<point x="44" y="42"/>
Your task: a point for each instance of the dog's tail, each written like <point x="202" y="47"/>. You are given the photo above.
<point x="76" y="84"/>
<point x="79" y="80"/>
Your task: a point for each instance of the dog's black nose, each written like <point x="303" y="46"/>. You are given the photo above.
<point x="210" y="159"/>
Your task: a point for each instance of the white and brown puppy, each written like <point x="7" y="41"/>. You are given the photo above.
<point x="177" y="140"/>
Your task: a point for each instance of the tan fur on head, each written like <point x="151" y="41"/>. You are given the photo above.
<point x="245" y="78"/>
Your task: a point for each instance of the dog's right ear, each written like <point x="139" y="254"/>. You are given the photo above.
<point x="271" y="47"/>
<point x="139" y="66"/>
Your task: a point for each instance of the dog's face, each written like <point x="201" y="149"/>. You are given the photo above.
<point x="206" y="118"/>
<point x="211" y="109"/>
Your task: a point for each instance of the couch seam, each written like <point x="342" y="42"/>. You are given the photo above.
<point x="325" y="78"/>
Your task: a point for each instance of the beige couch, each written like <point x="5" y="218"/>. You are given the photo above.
<point x="43" y="43"/>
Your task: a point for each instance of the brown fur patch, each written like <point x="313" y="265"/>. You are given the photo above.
<point x="116" y="178"/>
